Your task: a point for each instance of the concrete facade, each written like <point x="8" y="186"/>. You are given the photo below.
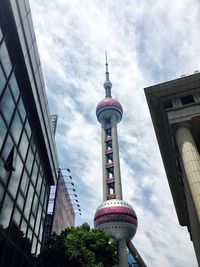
<point x="175" y="112"/>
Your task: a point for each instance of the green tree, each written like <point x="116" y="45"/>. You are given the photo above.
<point x="79" y="247"/>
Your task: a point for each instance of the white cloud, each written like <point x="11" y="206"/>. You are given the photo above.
<point x="148" y="42"/>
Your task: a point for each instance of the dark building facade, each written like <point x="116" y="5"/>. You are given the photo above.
<point x="175" y="112"/>
<point x="28" y="159"/>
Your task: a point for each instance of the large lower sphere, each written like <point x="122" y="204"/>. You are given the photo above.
<point x="117" y="219"/>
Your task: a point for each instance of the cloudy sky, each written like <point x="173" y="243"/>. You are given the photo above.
<point x="148" y="42"/>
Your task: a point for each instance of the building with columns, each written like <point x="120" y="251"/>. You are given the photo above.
<point x="175" y="112"/>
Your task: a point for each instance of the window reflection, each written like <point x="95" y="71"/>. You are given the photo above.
<point x="15" y="177"/>
<point x="16" y="127"/>
<point x="23" y="145"/>
<point x="34" y="173"/>
<point x="1" y="35"/>
<point x="16" y="216"/>
<point x="21" y="109"/>
<point x="28" y="129"/>
<point x="7" y="105"/>
<point x="3" y="130"/>
<point x="33" y="248"/>
<point x="29" y="160"/>
<point x="7" y="148"/>
<point x="6" y="211"/>
<point x="3" y="173"/>
<point x="23" y="227"/>
<point x="1" y="192"/>
<point x="24" y="182"/>
<point x="2" y="80"/>
<point x="14" y="87"/>
<point x="5" y="59"/>
<point x="29" y="201"/>
<point x="35" y="205"/>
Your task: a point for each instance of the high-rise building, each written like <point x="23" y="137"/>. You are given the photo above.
<point x="175" y="112"/>
<point x="63" y="213"/>
<point x="115" y="216"/>
<point x="28" y="160"/>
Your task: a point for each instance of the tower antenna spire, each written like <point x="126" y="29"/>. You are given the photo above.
<point x="107" y="83"/>
<point x="107" y="73"/>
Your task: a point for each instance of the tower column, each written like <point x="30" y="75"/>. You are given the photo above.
<point x="122" y="253"/>
<point x="104" y="171"/>
<point x="117" y="173"/>
<point x="191" y="162"/>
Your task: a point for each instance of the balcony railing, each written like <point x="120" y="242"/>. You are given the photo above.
<point x="111" y="196"/>
<point x="110" y="180"/>
<point x="110" y="165"/>
<point x="108" y="138"/>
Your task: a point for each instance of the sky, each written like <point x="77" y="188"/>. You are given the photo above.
<point x="148" y="42"/>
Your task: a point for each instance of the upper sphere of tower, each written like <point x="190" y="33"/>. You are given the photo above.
<point x="107" y="84"/>
<point x="108" y="107"/>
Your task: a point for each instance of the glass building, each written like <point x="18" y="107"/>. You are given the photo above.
<point x="28" y="159"/>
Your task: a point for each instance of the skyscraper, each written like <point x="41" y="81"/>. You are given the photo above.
<point x="175" y="112"/>
<point x="28" y="158"/>
<point x="115" y="216"/>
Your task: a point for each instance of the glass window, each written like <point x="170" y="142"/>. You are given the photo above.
<point x="29" y="160"/>
<point x="6" y="211"/>
<point x="39" y="182"/>
<point x="38" y="248"/>
<point x="30" y="234"/>
<point x="1" y="192"/>
<point x="22" y="9"/>
<point x="27" y="32"/>
<point x="23" y="227"/>
<point x="5" y="59"/>
<point x="14" y="87"/>
<point x="4" y="175"/>
<point x="22" y="41"/>
<point x="2" y="80"/>
<point x="24" y="182"/>
<point x="7" y="148"/>
<point x="15" y="11"/>
<point x="27" y="6"/>
<point x="20" y="201"/>
<point x="21" y="110"/>
<point x="32" y="221"/>
<point x="33" y="248"/>
<point x="3" y="130"/>
<point x="7" y="105"/>
<point x="1" y="35"/>
<point x="16" y="216"/>
<point x="39" y="214"/>
<point x="29" y="201"/>
<point x="28" y="129"/>
<point x="16" y="127"/>
<point x="23" y="145"/>
<point x="32" y="144"/>
<point x="35" y="205"/>
<point x="42" y="194"/>
<point x="15" y="177"/>
<point x="34" y="173"/>
<point x="31" y="26"/>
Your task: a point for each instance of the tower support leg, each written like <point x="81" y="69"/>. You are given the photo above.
<point x="122" y="253"/>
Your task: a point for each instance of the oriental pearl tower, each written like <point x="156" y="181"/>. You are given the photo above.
<point x="114" y="216"/>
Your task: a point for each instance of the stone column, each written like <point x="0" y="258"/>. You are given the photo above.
<point x="122" y="253"/>
<point x="191" y="162"/>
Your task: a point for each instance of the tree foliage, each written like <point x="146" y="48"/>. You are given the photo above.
<point x="79" y="247"/>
